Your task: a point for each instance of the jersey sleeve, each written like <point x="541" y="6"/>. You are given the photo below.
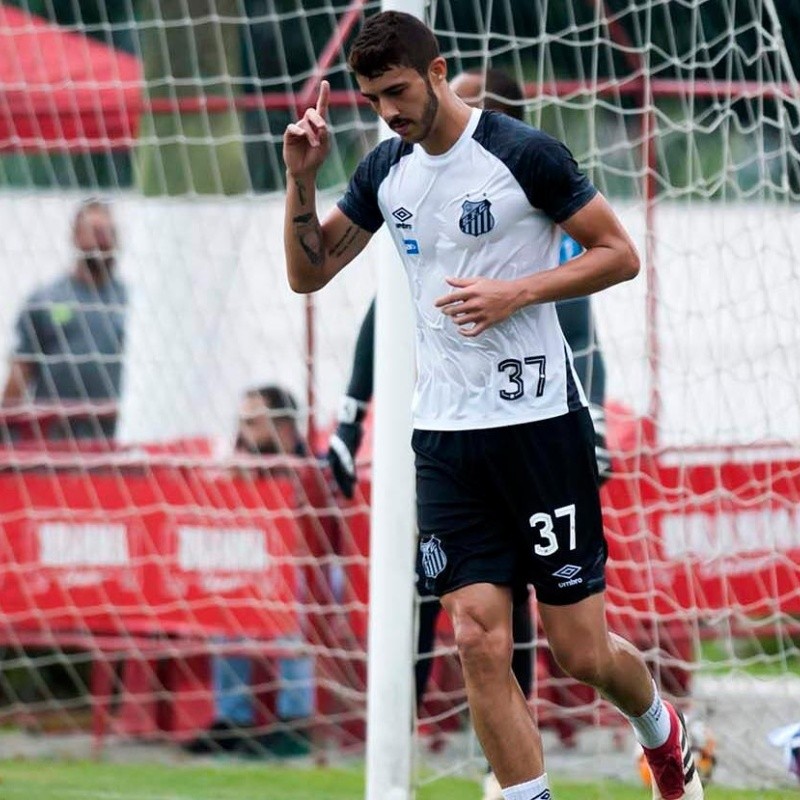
<point x="552" y="179"/>
<point x="360" y="201"/>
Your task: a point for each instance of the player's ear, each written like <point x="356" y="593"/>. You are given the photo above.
<point x="437" y="71"/>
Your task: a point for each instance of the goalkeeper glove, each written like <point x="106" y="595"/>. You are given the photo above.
<point x="603" y="456"/>
<point x="344" y="443"/>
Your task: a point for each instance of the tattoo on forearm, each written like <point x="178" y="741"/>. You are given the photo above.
<point x="345" y="242"/>
<point x="309" y="235"/>
<point x="301" y="192"/>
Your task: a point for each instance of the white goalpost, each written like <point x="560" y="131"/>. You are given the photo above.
<point x="390" y="712"/>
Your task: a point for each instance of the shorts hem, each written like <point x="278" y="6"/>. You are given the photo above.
<point x="574" y="597"/>
<point x="472" y="581"/>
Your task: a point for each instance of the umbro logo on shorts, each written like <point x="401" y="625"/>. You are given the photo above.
<point x="567" y="571"/>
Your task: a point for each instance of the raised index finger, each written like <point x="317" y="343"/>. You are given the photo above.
<point x="322" y="100"/>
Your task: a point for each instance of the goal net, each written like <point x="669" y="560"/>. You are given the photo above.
<point x="176" y="562"/>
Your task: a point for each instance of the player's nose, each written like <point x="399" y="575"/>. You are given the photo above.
<point x="387" y="109"/>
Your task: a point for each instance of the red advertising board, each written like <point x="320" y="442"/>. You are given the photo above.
<point x="161" y="550"/>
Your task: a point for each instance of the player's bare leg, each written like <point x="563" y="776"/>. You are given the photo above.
<point x="481" y="615"/>
<point x="586" y="650"/>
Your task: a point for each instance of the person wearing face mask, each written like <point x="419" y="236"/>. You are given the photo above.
<point x="70" y="336"/>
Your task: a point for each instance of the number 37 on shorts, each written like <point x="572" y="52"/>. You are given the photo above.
<point x="543" y="525"/>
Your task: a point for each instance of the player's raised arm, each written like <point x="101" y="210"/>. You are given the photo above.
<point x="315" y="251"/>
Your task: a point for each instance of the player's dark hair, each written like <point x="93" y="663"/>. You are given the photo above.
<point x="503" y="93"/>
<point x="392" y="39"/>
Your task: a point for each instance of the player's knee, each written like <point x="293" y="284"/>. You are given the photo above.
<point x="482" y="647"/>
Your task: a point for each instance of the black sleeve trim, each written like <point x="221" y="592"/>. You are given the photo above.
<point x="360" y="202"/>
<point x="555" y="183"/>
<point x="543" y="166"/>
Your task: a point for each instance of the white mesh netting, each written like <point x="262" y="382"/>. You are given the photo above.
<point x="141" y="554"/>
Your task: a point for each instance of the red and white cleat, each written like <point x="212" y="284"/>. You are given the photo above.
<point x="672" y="767"/>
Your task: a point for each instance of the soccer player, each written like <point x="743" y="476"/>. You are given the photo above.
<point x="506" y="475"/>
<point x="495" y="90"/>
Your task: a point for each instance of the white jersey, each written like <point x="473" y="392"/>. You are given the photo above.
<point x="488" y="207"/>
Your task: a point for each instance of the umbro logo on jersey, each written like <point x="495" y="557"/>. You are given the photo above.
<point x="402" y="215"/>
<point x="476" y="218"/>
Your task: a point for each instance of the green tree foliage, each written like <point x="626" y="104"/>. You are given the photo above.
<point x="232" y="47"/>
<point x="191" y="58"/>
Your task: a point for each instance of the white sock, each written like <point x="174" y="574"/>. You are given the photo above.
<point x="531" y="790"/>
<point x="652" y="729"/>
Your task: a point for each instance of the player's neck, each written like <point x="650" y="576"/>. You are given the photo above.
<point x="451" y="121"/>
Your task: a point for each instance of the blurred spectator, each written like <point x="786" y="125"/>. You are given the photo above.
<point x="70" y="337"/>
<point x="268" y="423"/>
<point x="267" y="426"/>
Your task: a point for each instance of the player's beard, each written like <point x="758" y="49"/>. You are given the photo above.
<point x="425" y="123"/>
<point x="428" y="114"/>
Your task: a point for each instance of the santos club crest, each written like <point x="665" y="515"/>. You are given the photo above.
<point x="433" y="558"/>
<point x="476" y="218"/>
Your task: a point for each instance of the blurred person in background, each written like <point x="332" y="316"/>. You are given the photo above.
<point x="70" y="337"/>
<point x="267" y="426"/>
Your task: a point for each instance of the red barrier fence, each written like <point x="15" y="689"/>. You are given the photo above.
<point x="144" y="551"/>
<point x="150" y="556"/>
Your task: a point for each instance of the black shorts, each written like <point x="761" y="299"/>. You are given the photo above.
<point x="511" y="506"/>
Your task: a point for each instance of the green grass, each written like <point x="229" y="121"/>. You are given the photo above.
<point x="53" y="780"/>
<point x="761" y="660"/>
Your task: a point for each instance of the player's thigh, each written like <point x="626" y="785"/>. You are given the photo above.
<point x="547" y="478"/>
<point x="460" y="541"/>
<point x="577" y="633"/>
